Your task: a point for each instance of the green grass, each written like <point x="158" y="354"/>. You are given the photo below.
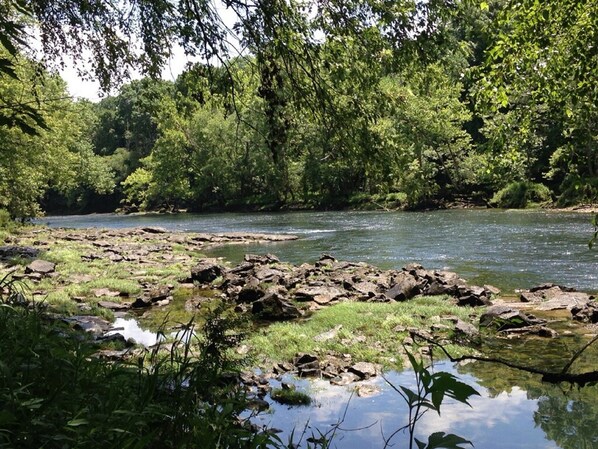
<point x="290" y="396"/>
<point x="120" y="285"/>
<point x="370" y="331"/>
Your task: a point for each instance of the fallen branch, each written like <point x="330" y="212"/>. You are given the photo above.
<point x="564" y="375"/>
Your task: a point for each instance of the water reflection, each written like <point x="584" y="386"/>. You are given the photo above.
<point x="130" y="329"/>
<point x="568" y="416"/>
<point x="497" y="419"/>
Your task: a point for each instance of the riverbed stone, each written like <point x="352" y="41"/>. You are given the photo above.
<point x="319" y="294"/>
<point x="88" y="323"/>
<point x="554" y="297"/>
<point x="114" y="305"/>
<point x="251" y="292"/>
<point x="405" y="287"/>
<point x="586" y="313"/>
<point x="307" y="365"/>
<point x="263" y="260"/>
<point x="345" y="378"/>
<point x="504" y="317"/>
<point x="367" y="390"/>
<point x="40" y="266"/>
<point x="537" y="330"/>
<point x="364" y="370"/>
<point x="328" y="335"/>
<point x="206" y="272"/>
<point x="273" y="307"/>
<point x="466" y="330"/>
<point x="10" y="251"/>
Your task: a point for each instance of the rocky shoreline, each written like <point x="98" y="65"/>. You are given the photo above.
<point x="265" y="289"/>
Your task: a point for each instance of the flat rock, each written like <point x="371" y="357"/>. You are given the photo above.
<point x="92" y="324"/>
<point x="538" y="330"/>
<point x="329" y="335"/>
<point x="40" y="266"/>
<point x="114" y="305"/>
<point x="7" y="252"/>
<point x="505" y="317"/>
<point x="99" y="292"/>
<point x="555" y="297"/>
<point x="263" y="260"/>
<point x="364" y="370"/>
<point x="320" y="295"/>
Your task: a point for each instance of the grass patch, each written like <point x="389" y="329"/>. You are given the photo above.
<point x="290" y="396"/>
<point x="371" y="332"/>
<point x="121" y="285"/>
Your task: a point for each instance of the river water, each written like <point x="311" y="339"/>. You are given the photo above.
<point x="510" y="249"/>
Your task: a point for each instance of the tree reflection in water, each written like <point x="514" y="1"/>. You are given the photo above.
<point x="567" y="415"/>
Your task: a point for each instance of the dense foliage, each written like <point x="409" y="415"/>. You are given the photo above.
<point x="362" y="104"/>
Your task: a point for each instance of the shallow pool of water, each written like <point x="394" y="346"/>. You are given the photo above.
<point x="525" y="416"/>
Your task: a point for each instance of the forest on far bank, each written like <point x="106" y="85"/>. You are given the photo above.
<point x="401" y="104"/>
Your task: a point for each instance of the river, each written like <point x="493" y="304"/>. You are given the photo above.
<point x="510" y="249"/>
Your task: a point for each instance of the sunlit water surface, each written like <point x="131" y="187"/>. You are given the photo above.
<point x="510" y="249"/>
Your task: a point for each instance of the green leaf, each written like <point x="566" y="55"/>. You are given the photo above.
<point x="77" y="422"/>
<point x="446" y="441"/>
<point x="484" y="6"/>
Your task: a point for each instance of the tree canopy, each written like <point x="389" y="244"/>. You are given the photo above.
<point x="393" y="104"/>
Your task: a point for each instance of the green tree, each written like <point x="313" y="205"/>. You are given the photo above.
<point x="57" y="158"/>
<point x="540" y="76"/>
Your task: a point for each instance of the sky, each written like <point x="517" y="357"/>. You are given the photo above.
<point x="90" y="90"/>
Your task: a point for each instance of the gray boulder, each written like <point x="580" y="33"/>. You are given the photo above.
<point x="273" y="307"/>
<point x="206" y="272"/>
<point x="406" y="287"/>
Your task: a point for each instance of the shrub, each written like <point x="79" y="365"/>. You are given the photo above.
<point x="578" y="190"/>
<point x="521" y="194"/>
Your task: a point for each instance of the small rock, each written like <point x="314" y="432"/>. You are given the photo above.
<point x="344" y="379"/>
<point x="273" y="307"/>
<point x="466" y="329"/>
<point x="329" y="335"/>
<point x="364" y="370"/>
<point x="39" y="266"/>
<point x="366" y="391"/>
